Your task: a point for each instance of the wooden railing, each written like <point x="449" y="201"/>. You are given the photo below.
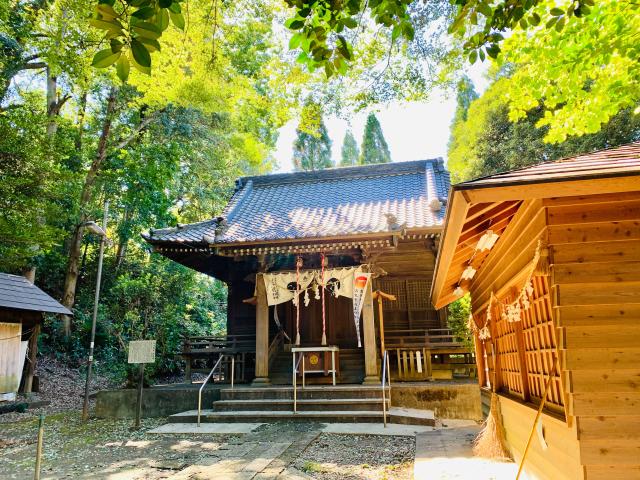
<point x="433" y="339"/>
<point x="275" y="347"/>
<point x="199" y="350"/>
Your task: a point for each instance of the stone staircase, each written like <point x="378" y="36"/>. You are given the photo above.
<point x="342" y="403"/>
<point x="351" y="369"/>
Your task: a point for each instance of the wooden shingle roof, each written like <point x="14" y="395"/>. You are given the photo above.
<point x="18" y="293"/>
<point x="618" y="161"/>
<point x="336" y="202"/>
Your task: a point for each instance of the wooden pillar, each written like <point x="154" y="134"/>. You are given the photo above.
<point x="262" y="333"/>
<point x="31" y="358"/>
<point x="369" y="334"/>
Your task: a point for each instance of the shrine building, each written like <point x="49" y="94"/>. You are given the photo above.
<point x="336" y="263"/>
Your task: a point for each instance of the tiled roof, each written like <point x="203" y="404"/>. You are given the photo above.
<point x="18" y="293"/>
<point x="326" y="203"/>
<point x="618" y="161"/>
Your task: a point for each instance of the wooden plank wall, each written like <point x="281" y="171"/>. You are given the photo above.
<point x="10" y="361"/>
<point x="524" y="351"/>
<point x="595" y="251"/>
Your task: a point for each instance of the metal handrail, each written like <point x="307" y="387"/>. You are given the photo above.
<point x="295" y="382"/>
<point x="386" y="378"/>
<point x="218" y="364"/>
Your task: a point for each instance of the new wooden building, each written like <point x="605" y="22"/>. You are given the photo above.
<point x="551" y="257"/>
<point x="384" y="220"/>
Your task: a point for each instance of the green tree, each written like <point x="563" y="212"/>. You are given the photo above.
<point x="374" y="146"/>
<point x="350" y="152"/>
<point x="312" y="146"/>
<point x="488" y="142"/>
<point x="458" y="319"/>
<point x="465" y="95"/>
<point x="582" y="75"/>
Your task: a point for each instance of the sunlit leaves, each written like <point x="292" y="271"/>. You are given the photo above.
<point x="122" y="68"/>
<point x="582" y="70"/>
<point x="105" y="58"/>
<point x="134" y="30"/>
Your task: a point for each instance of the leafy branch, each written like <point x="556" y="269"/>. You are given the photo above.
<point x="133" y="28"/>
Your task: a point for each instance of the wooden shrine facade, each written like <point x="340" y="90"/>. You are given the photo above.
<point x="551" y="257"/>
<point x="386" y="218"/>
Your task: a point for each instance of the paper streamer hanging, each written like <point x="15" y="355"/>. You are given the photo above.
<point x="360" y="282"/>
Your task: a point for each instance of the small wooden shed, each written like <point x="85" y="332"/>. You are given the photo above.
<point x="551" y="257"/>
<point x="22" y="308"/>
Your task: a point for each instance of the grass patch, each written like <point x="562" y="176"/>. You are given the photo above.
<point x="313" y="467"/>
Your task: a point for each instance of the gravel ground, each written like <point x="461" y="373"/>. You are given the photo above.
<point x="358" y="457"/>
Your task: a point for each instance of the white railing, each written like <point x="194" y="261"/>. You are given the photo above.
<point x="295" y="381"/>
<point x="386" y="378"/>
<point x="218" y="365"/>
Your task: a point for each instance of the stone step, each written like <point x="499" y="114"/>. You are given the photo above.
<point x="347" y="404"/>
<point x="341" y="416"/>
<point x="309" y="392"/>
<point x="284" y="378"/>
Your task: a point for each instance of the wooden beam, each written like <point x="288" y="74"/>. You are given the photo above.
<point x="262" y="333"/>
<point x="456" y="216"/>
<point x="369" y="339"/>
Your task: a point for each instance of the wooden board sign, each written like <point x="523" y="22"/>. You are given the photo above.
<point x="142" y="351"/>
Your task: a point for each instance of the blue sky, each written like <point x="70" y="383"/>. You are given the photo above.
<point x="413" y="131"/>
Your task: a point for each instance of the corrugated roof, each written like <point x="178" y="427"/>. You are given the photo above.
<point x="326" y="203"/>
<point x="18" y="293"/>
<point x="618" y="161"/>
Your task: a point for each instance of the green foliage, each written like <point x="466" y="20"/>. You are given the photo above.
<point x="323" y="30"/>
<point x="374" y="146"/>
<point x="350" y="153"/>
<point x="161" y="149"/>
<point x="32" y="186"/>
<point x="312" y="146"/>
<point x="132" y="29"/>
<point x="458" y="319"/>
<point x="465" y="95"/>
<point x="582" y="74"/>
<point x="488" y="142"/>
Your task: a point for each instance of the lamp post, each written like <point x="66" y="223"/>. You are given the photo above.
<point x="102" y="232"/>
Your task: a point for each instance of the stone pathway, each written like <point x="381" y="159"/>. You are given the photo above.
<point x="446" y="454"/>
<point x="263" y="454"/>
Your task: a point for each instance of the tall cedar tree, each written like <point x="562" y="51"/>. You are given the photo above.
<point x="374" y="146"/>
<point x="312" y="146"/>
<point x="350" y="151"/>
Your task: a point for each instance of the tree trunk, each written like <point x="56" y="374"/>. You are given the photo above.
<point x="75" y="249"/>
<point x="52" y="103"/>
<point x="81" y="114"/>
<point x="121" y="252"/>
<point x="123" y="241"/>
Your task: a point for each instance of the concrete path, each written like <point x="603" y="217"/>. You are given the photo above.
<point x="214" y="428"/>
<point x="446" y="454"/>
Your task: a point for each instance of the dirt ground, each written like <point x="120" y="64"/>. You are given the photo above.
<point x="110" y="449"/>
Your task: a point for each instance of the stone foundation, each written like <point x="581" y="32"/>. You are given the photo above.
<point x="156" y="401"/>
<point x="446" y="399"/>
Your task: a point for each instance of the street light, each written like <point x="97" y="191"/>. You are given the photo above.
<point x="93" y="227"/>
